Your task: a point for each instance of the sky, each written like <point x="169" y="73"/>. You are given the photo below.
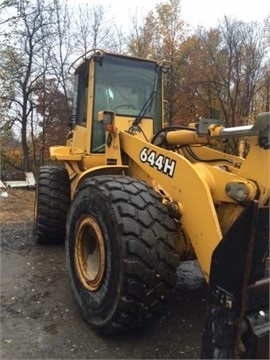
<point x="208" y="12"/>
<point x="194" y="12"/>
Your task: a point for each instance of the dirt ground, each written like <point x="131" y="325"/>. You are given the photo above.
<point x="40" y="320"/>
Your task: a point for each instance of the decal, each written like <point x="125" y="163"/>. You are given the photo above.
<point x="161" y="162"/>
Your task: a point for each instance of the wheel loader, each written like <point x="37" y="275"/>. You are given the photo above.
<point x="134" y="196"/>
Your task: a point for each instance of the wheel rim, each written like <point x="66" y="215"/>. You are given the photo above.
<point x="89" y="253"/>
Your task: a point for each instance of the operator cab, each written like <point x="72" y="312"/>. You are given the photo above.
<point x="130" y="87"/>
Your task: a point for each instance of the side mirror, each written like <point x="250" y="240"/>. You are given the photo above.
<point x="72" y="122"/>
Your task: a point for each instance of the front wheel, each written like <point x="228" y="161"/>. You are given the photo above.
<point x="120" y="250"/>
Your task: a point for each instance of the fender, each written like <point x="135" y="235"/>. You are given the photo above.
<point x="96" y="171"/>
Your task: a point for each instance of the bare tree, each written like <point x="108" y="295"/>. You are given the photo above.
<point x="5" y="16"/>
<point x="25" y="63"/>
<point x="55" y="80"/>
<point x="61" y="50"/>
<point x="90" y="30"/>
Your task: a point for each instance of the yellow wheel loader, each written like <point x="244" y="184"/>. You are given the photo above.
<point x="136" y="196"/>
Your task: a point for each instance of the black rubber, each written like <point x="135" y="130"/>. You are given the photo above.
<point x="141" y="260"/>
<point x="51" y="205"/>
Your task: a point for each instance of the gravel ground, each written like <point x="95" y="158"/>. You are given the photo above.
<point x="40" y="320"/>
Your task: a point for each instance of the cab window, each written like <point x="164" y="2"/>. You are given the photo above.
<point x="80" y="95"/>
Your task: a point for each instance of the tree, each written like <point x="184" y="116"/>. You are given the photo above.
<point x="54" y="112"/>
<point x="27" y="63"/>
<point x="226" y="72"/>
<point x="5" y="17"/>
<point x="232" y="67"/>
<point x="219" y="73"/>
<point x="61" y="50"/>
<point x="11" y="154"/>
<point x="160" y="37"/>
<point x="141" y="38"/>
<point x="7" y="88"/>
<point x="261" y="102"/>
<point x="37" y="49"/>
<point x="54" y="88"/>
<point x="90" y="29"/>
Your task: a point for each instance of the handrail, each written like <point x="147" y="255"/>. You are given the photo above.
<point x="84" y="57"/>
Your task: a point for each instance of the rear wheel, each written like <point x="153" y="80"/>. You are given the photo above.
<point x="51" y="205"/>
<point x="121" y="254"/>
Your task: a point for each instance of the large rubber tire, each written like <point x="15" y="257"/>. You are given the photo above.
<point x="51" y="205"/>
<point x="120" y="248"/>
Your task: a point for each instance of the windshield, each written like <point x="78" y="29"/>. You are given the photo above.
<point x="129" y="87"/>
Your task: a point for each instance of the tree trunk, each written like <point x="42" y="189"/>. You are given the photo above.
<point x="25" y="149"/>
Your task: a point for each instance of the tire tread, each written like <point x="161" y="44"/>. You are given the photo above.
<point x="52" y="202"/>
<point x="150" y="260"/>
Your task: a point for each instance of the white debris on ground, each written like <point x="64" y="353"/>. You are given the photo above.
<point x="3" y="192"/>
<point x="29" y="182"/>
